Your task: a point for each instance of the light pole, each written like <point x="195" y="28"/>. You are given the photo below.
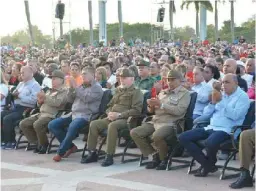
<point x="102" y="22"/>
<point x="90" y="20"/>
<point x="120" y="18"/>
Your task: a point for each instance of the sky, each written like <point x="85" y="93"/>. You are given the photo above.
<point x="13" y="17"/>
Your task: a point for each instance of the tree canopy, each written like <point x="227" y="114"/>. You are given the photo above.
<point x="132" y="31"/>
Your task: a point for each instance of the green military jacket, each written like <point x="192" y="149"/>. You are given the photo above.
<point x="127" y="101"/>
<point x="145" y="84"/>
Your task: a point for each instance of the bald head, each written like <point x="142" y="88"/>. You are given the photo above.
<point x="229" y="66"/>
<point x="229" y="83"/>
<point x="26" y="73"/>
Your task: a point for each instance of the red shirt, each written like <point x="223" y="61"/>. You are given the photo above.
<point x="243" y="55"/>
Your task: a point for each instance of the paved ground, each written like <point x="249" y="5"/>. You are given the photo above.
<point x="25" y="171"/>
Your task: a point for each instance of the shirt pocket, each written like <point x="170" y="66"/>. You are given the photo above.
<point x="174" y="100"/>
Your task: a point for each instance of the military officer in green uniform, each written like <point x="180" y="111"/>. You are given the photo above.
<point x="145" y="81"/>
<point x="127" y="101"/>
<point x="170" y="106"/>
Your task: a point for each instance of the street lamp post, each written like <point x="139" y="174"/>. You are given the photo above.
<point x="102" y="22"/>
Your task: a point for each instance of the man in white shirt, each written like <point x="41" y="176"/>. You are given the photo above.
<point x="245" y="76"/>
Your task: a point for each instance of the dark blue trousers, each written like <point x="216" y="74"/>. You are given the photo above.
<point x="213" y="139"/>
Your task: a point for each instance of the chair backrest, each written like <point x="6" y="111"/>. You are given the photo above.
<point x="147" y="95"/>
<point x="107" y="96"/>
<point x="250" y="116"/>
<point x="189" y="114"/>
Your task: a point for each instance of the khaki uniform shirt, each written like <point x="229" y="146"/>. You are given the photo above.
<point x="175" y="104"/>
<point x="127" y="101"/>
<point x="55" y="100"/>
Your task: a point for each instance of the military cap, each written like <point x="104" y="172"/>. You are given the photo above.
<point x="143" y="63"/>
<point x="126" y="73"/>
<point x="174" y="74"/>
<point x="58" y="74"/>
<point x="53" y="66"/>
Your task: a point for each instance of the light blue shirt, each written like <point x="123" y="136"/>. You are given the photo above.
<point x="203" y="91"/>
<point x="229" y="112"/>
<point x="27" y="93"/>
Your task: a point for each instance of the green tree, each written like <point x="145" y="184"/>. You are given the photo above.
<point x="207" y="4"/>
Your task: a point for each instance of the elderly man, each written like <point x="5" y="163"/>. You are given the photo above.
<point x="203" y="91"/>
<point x="145" y="81"/>
<point x="86" y="98"/>
<point x="230" y="66"/>
<point x="170" y="106"/>
<point x="127" y="101"/>
<point x="36" y="74"/>
<point x="35" y="127"/>
<point x="226" y="111"/>
<point x="246" y="152"/>
<point x="25" y="96"/>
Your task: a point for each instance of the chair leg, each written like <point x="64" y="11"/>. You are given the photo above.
<point x="253" y="170"/>
<point x="101" y="144"/>
<point x="85" y="148"/>
<point x="18" y="142"/>
<point x="125" y="149"/>
<point x="222" y="176"/>
<point x="28" y="145"/>
<point x="50" y="145"/>
<point x="191" y="165"/>
<point x="141" y="159"/>
<point x="169" y="163"/>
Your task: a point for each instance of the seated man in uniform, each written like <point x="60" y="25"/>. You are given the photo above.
<point x="127" y="101"/>
<point x="145" y="81"/>
<point x="246" y="152"/>
<point x="170" y="106"/>
<point x="226" y="111"/>
<point x="24" y="98"/>
<point x="35" y="127"/>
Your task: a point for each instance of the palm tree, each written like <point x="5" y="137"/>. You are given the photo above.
<point x="120" y="18"/>
<point x="90" y="20"/>
<point x="171" y="11"/>
<point x="207" y="4"/>
<point x="29" y="22"/>
<point x="232" y="20"/>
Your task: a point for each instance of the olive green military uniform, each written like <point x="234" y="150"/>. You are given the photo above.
<point x="174" y="105"/>
<point x="127" y="102"/>
<point x="246" y="148"/>
<point x="146" y="83"/>
<point x="35" y="126"/>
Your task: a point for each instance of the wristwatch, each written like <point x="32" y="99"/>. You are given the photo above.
<point x="119" y="116"/>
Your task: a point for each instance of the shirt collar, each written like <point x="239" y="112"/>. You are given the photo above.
<point x="233" y="94"/>
<point x="175" y="91"/>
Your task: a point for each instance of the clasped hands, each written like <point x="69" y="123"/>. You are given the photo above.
<point x="112" y="116"/>
<point x="41" y="97"/>
<point x="154" y="103"/>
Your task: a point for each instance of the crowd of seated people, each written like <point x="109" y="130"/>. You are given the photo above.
<point x="81" y="81"/>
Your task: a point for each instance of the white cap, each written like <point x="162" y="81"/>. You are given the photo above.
<point x="240" y="63"/>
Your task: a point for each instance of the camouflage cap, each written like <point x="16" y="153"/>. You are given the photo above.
<point x="58" y="74"/>
<point x="174" y="74"/>
<point x="143" y="63"/>
<point x="126" y="73"/>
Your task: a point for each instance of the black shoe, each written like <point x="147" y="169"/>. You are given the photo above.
<point x="107" y="161"/>
<point x="43" y="149"/>
<point x="245" y="180"/>
<point x="154" y="163"/>
<point x="162" y="165"/>
<point x="213" y="169"/>
<point x="92" y="157"/>
<point x="37" y="149"/>
<point x="203" y="172"/>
